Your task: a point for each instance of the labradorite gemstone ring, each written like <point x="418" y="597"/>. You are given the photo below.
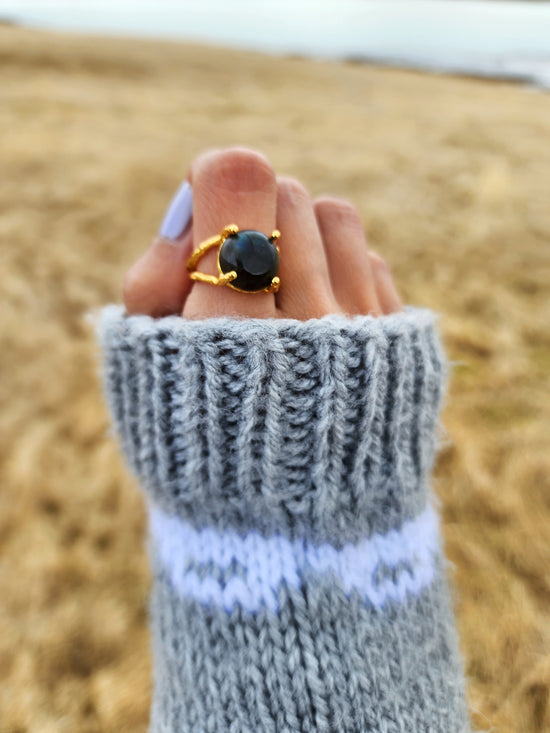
<point x="248" y="261"/>
<point x="253" y="256"/>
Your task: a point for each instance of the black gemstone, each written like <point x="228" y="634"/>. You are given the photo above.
<point x="253" y="257"/>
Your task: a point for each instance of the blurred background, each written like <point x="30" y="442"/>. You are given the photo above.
<point x="434" y="118"/>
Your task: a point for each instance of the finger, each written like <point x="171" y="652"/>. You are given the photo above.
<point x="232" y="186"/>
<point x="305" y="290"/>
<point x="388" y="297"/>
<point x="157" y="284"/>
<point x="347" y="254"/>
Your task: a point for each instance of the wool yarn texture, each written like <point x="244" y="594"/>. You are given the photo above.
<point x="299" y="583"/>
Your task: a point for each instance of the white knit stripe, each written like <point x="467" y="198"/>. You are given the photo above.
<point x="405" y="555"/>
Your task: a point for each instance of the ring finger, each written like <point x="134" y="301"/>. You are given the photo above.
<point x="347" y="254"/>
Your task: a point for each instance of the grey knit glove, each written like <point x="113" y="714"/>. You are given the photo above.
<point x="299" y="583"/>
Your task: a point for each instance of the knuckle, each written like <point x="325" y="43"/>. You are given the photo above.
<point x="130" y="282"/>
<point x="379" y="264"/>
<point x="241" y="169"/>
<point x="132" y="287"/>
<point x="292" y="191"/>
<point x="339" y="211"/>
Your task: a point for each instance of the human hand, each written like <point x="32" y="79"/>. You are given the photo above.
<point x="325" y="264"/>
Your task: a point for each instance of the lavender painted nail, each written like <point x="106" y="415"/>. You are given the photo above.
<point x="178" y="213"/>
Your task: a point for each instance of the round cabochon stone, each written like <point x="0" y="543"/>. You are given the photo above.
<point x="254" y="258"/>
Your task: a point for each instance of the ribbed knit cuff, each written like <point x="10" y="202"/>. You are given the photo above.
<point x="299" y="580"/>
<point x="322" y="429"/>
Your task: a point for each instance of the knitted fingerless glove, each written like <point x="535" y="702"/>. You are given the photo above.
<point x="299" y="583"/>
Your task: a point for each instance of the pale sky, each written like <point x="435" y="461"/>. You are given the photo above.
<point x="482" y="35"/>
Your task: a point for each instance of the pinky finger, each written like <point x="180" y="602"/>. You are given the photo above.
<point x="387" y="294"/>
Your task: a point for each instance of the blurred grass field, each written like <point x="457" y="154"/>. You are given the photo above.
<point x="452" y="179"/>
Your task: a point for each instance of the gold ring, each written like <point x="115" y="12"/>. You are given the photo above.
<point x="248" y="261"/>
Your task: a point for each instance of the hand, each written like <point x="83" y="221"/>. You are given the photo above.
<point x="325" y="264"/>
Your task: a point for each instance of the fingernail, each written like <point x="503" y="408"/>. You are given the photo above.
<point x="178" y="213"/>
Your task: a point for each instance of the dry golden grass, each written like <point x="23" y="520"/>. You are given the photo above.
<point x="452" y="178"/>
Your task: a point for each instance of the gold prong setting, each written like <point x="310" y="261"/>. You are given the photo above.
<point x="250" y="258"/>
<point x="275" y="284"/>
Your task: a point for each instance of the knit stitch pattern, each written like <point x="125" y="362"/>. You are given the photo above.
<point x="299" y="583"/>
